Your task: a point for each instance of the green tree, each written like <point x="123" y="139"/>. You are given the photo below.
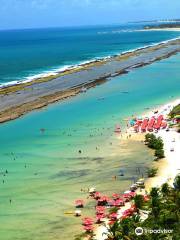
<point x="139" y="201"/>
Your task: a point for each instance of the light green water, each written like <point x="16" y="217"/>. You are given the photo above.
<point x="45" y="170"/>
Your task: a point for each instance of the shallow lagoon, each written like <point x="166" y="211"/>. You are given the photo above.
<point x="45" y="170"/>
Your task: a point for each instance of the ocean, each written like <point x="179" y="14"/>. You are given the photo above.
<point x="41" y="170"/>
<point x="31" y="53"/>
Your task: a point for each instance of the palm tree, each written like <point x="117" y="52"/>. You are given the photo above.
<point x="139" y="201"/>
<point x="165" y="189"/>
<point x="177" y="183"/>
<point x="154" y="192"/>
<point x="114" y="232"/>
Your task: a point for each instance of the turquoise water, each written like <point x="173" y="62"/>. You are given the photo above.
<point x="45" y="170"/>
<point x="27" y="53"/>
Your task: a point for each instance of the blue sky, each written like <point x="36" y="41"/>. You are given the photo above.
<point x="52" y="13"/>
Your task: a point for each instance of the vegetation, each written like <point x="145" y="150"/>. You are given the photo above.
<point x="165" y="25"/>
<point x="113" y="210"/>
<point x="163" y="213"/>
<point x="152" y="172"/>
<point x="155" y="143"/>
<point x="175" y="111"/>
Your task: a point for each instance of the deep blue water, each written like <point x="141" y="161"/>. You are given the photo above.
<point x="26" y="53"/>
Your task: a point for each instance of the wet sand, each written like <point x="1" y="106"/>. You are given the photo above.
<point x="22" y="98"/>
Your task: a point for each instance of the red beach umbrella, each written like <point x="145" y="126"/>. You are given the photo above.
<point x="100" y="209"/>
<point x="99" y="217"/>
<point x="132" y="194"/>
<point x="126" y="196"/>
<point x="97" y="195"/>
<point x="119" y="202"/>
<point x="103" y="200"/>
<point x="111" y="203"/>
<point x="115" y="196"/>
<point x="88" y="221"/>
<point x="79" y="203"/>
<point x="113" y="216"/>
<point x="88" y="228"/>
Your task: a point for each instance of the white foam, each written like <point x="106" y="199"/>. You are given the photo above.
<point x="61" y="69"/>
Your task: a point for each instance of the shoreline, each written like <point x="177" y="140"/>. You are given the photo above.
<point x="18" y="100"/>
<point x="166" y="170"/>
<point x="161" y="29"/>
<point x="76" y="67"/>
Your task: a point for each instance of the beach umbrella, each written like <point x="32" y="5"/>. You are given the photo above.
<point x="88" y="228"/>
<point x="132" y="194"/>
<point x="119" y="202"/>
<point x="99" y="217"/>
<point x="88" y="221"/>
<point x="113" y="216"/>
<point x="115" y="196"/>
<point x="103" y="200"/>
<point x="100" y="209"/>
<point x="110" y="202"/>
<point x="97" y="195"/>
<point x="126" y="195"/>
<point x="79" y="203"/>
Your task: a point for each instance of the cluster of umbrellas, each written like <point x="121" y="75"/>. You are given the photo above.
<point x="150" y="125"/>
<point x="104" y="201"/>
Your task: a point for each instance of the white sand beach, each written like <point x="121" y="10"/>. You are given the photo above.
<point x="160" y="29"/>
<point x="168" y="167"/>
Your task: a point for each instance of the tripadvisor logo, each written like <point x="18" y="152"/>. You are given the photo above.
<point x="139" y="231"/>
